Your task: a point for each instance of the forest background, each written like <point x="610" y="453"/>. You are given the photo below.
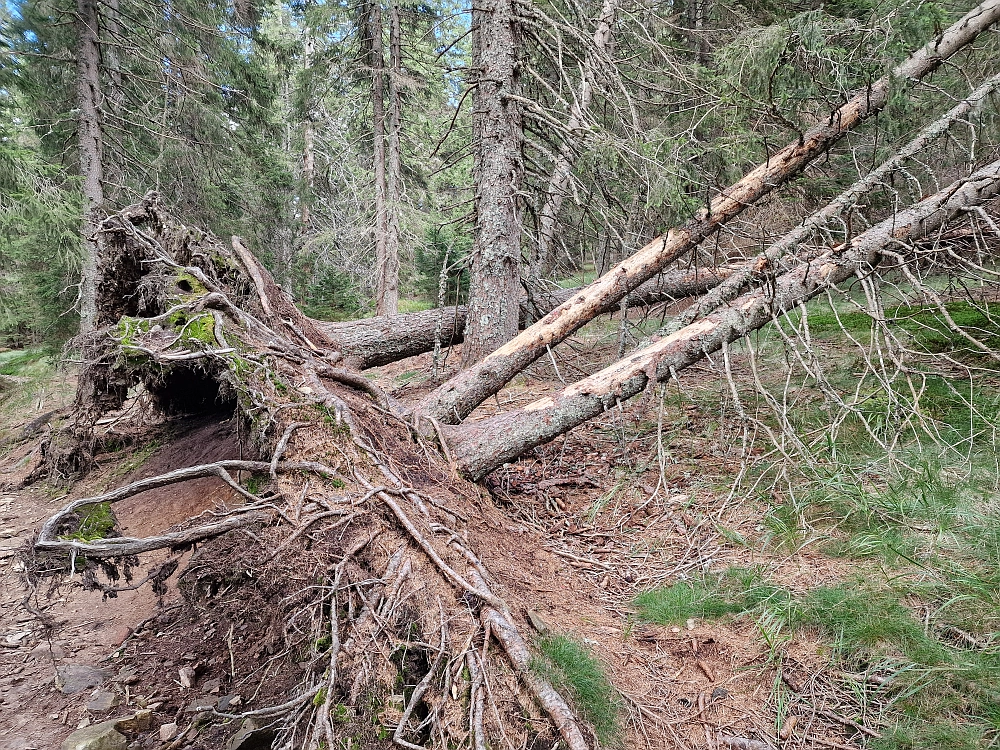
<point x="347" y="143"/>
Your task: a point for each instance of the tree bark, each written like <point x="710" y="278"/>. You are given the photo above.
<point x="562" y="169"/>
<point x="90" y="142"/>
<point x="372" y="342"/>
<point x="479" y="448"/>
<point x="388" y="293"/>
<point x="376" y="63"/>
<point x="456" y="399"/>
<point x="308" y="134"/>
<point x="498" y="171"/>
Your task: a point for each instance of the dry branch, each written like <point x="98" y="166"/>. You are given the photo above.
<point x="456" y="399"/>
<point x="479" y="448"/>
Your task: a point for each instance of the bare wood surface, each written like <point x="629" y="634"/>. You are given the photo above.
<point x="479" y="448"/>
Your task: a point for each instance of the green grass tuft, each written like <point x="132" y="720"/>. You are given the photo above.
<point x="738" y="590"/>
<point x="96" y="522"/>
<point x="570" y="665"/>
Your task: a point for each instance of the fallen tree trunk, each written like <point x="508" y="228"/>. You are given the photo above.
<point x="456" y="399"/>
<point x="764" y="264"/>
<point x="480" y="447"/>
<point x="372" y="342"/>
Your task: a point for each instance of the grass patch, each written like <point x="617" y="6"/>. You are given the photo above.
<point x="569" y="665"/>
<point x="736" y="591"/>
<point x="24" y="363"/>
<point x="96" y="522"/>
<point x="926" y="325"/>
<point x="414" y="305"/>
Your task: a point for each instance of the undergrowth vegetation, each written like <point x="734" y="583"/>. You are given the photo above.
<point x="871" y="451"/>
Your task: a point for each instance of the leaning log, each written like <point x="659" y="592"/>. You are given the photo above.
<point x="457" y="398"/>
<point x="372" y="342"/>
<point x="480" y="447"/>
<point x="765" y="263"/>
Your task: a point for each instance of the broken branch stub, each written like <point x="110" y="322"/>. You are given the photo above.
<point x="479" y="448"/>
<point x="457" y="398"/>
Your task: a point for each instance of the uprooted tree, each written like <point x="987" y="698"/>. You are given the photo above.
<point x="195" y="324"/>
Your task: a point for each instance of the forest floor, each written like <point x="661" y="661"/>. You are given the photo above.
<point x="681" y="593"/>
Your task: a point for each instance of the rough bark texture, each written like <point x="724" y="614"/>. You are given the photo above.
<point x="479" y="448"/>
<point x="457" y="398"/>
<point x="498" y="171"/>
<point x="372" y="342"/>
<point x="308" y="146"/>
<point x="388" y="293"/>
<point x="385" y="287"/>
<point x="562" y="169"/>
<point x="90" y="142"/>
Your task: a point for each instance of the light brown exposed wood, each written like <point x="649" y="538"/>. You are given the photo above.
<point x="765" y="262"/>
<point x="479" y="448"/>
<point x="456" y="399"/>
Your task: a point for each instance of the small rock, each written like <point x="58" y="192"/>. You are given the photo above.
<point x="211" y="686"/>
<point x="229" y="702"/>
<point x="675" y="630"/>
<point x="84" y="722"/>
<point x="690" y="624"/>
<point x="74" y="678"/>
<point x="44" y="651"/>
<point x="168" y="731"/>
<point x="14" y="639"/>
<point x="101" y="736"/>
<point x="720" y="694"/>
<point x="137" y="723"/>
<point x="535" y="620"/>
<point x="187" y="677"/>
<point x="102" y="700"/>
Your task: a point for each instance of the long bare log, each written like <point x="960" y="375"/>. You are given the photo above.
<point x="372" y="342"/>
<point x="457" y="398"/>
<point x="764" y="263"/>
<point x="479" y="448"/>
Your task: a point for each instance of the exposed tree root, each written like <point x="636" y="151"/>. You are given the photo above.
<point x="398" y="622"/>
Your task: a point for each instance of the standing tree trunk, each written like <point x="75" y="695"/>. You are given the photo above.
<point x="456" y="399"/>
<point x="498" y="170"/>
<point x="91" y="147"/>
<point x="376" y="64"/>
<point x="562" y="169"/>
<point x="308" y="134"/>
<point x="388" y="293"/>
